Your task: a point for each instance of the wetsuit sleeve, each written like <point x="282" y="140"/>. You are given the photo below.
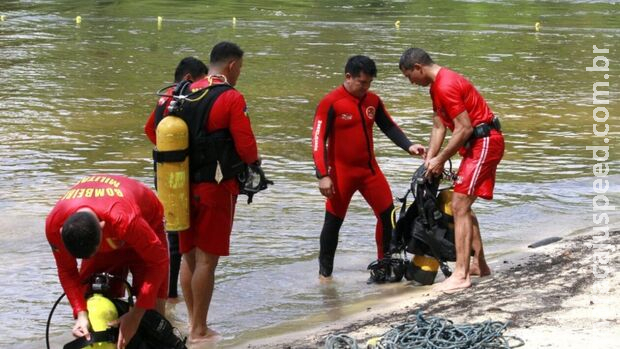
<point x="389" y="127"/>
<point x="144" y="241"/>
<point x="149" y="128"/>
<point x="67" y="271"/>
<point x="241" y="130"/>
<point x="320" y="132"/>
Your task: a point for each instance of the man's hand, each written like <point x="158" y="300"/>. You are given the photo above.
<point x="128" y="325"/>
<point x="80" y="329"/>
<point x="434" y="166"/>
<point x="326" y="186"/>
<point x="417" y="149"/>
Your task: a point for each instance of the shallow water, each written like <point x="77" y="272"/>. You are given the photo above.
<point x="76" y="98"/>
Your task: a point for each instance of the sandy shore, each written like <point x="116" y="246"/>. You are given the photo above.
<point x="550" y="294"/>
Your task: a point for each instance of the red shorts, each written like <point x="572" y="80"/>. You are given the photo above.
<point x="476" y="175"/>
<point x="212" y="212"/>
<point x="119" y="263"/>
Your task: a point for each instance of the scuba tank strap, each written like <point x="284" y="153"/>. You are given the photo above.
<point x="403" y="207"/>
<point x="110" y="335"/>
<point x="170" y="156"/>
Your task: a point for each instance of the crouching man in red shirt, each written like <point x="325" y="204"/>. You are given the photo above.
<point x="114" y="224"/>
<point x="477" y="136"/>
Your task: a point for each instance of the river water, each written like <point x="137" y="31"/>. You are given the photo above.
<point x="76" y="97"/>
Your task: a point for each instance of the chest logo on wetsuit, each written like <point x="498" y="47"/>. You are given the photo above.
<point x="161" y="101"/>
<point x="370" y="112"/>
<point x="346" y="116"/>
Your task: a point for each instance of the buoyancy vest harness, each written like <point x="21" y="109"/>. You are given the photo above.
<point x="422" y="229"/>
<point x="213" y="156"/>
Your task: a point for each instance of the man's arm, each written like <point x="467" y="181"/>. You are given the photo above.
<point x="390" y="129"/>
<point x="462" y="132"/>
<point x="70" y="281"/>
<point x="154" y="254"/>
<point x="438" y="134"/>
<point x="241" y="130"/>
<point x="323" y="118"/>
<point x="67" y="269"/>
<point x="149" y="128"/>
<point x="320" y="134"/>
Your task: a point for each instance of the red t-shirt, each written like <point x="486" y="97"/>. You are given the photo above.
<point x="129" y="210"/>
<point x="452" y="94"/>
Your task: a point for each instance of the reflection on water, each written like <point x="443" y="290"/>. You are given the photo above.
<point x="75" y="98"/>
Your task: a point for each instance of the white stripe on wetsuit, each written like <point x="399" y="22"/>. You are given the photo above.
<point x="483" y="156"/>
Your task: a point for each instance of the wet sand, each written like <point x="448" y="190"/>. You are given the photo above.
<point x="549" y="294"/>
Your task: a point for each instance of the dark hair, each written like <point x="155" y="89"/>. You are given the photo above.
<point x="225" y="51"/>
<point x="358" y="64"/>
<point x="192" y="66"/>
<point x="414" y="56"/>
<point x="81" y="234"/>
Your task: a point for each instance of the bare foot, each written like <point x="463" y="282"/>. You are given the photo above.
<point x="475" y="270"/>
<point x="325" y="279"/>
<point x="210" y="336"/>
<point x="453" y="284"/>
<point x="173" y="300"/>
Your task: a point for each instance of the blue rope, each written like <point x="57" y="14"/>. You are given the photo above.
<point x="340" y="341"/>
<point x="431" y="332"/>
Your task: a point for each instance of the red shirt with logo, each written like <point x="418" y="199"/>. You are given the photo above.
<point x="343" y="130"/>
<point x="129" y="210"/>
<point x="452" y="94"/>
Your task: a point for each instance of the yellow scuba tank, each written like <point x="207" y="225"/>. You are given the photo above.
<point x="173" y="172"/>
<point x="100" y="312"/>
<point x="444" y="203"/>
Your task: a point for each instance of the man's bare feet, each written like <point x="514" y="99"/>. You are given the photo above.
<point x="453" y="284"/>
<point x="482" y="270"/>
<point x="325" y="279"/>
<point x="173" y="300"/>
<point x="209" y="336"/>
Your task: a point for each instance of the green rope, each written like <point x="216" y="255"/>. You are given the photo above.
<point x="420" y="332"/>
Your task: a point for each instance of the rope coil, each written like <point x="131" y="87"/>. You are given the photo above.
<point x="419" y="332"/>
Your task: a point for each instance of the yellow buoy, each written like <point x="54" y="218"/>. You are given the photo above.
<point x="173" y="175"/>
<point x="78" y="19"/>
<point x="101" y="311"/>
<point x="2" y="18"/>
<point x="397" y="24"/>
<point x="537" y="26"/>
<point x="234" y="21"/>
<point x="160" y="20"/>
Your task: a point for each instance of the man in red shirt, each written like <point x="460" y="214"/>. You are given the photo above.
<point x="476" y="135"/>
<point x="343" y="152"/>
<point x="189" y="68"/>
<point x="221" y="144"/>
<point x="192" y="69"/>
<point x="115" y="225"/>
